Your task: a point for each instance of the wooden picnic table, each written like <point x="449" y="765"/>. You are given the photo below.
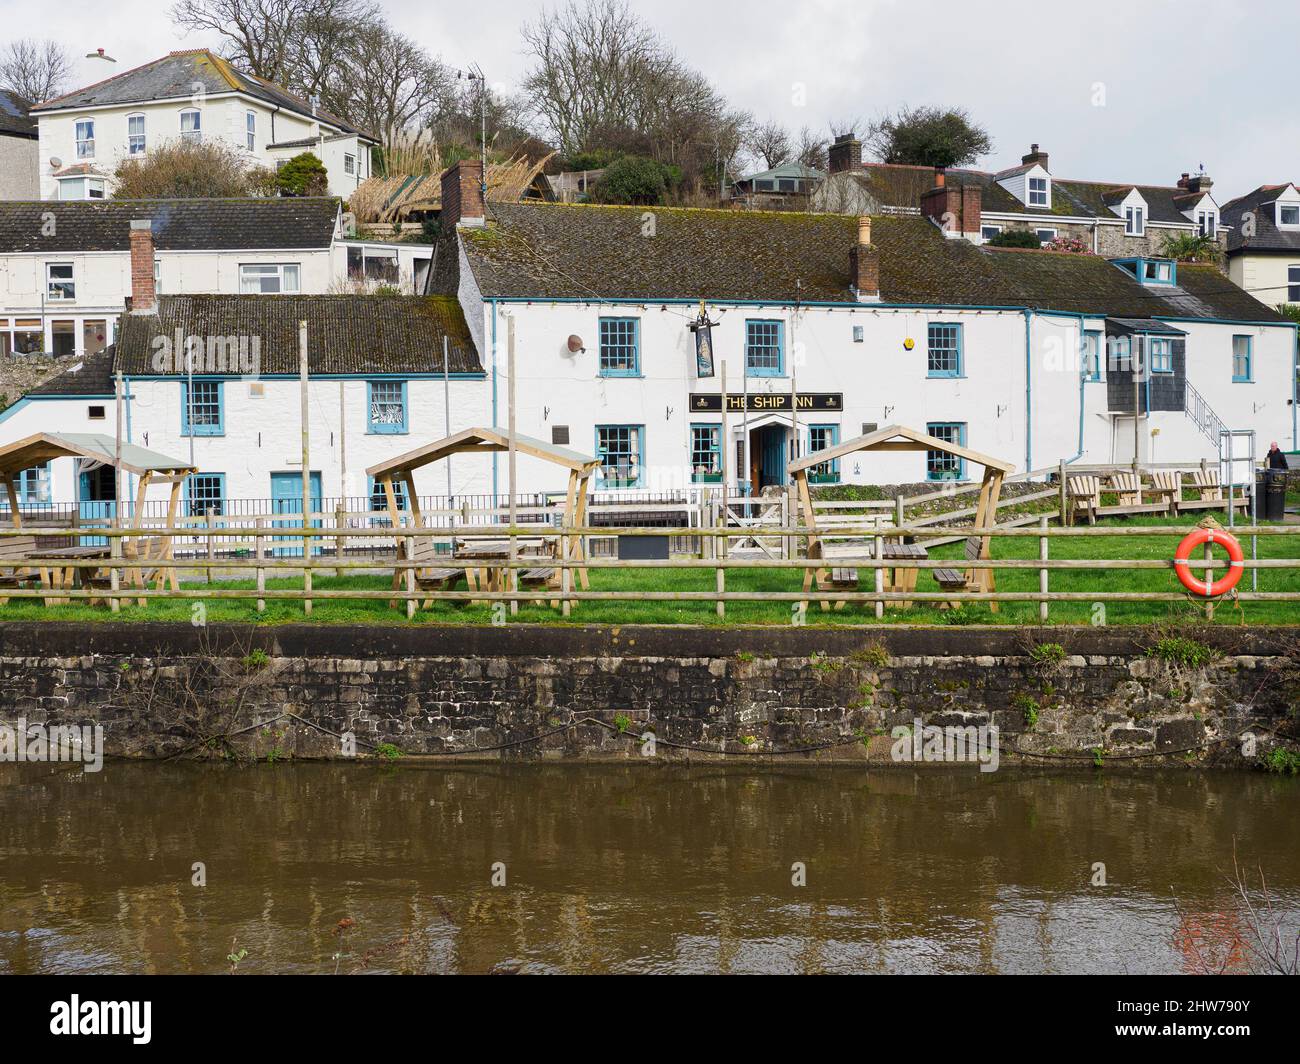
<point x="479" y="556"/>
<point x="843" y="563"/>
<point x="56" y="576"/>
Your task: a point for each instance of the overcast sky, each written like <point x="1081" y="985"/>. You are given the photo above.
<point x="1134" y="91"/>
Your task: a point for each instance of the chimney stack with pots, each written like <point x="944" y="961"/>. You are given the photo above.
<point x="953" y="208"/>
<point x="462" y="195"/>
<point x="144" y="297"/>
<point x="1035" y="156"/>
<point x="845" y="154"/>
<point x="864" y="265"/>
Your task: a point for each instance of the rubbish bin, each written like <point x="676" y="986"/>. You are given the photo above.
<point x="1270" y="494"/>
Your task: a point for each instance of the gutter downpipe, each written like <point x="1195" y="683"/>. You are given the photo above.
<point x="1029" y="393"/>
<point x="495" y="470"/>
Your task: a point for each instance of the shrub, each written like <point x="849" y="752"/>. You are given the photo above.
<point x="1072" y="244"/>
<point x="1016" y="238"/>
<point x="303" y="175"/>
<point x="634" y="180"/>
<point x="179" y="169"/>
<point x="1181" y="651"/>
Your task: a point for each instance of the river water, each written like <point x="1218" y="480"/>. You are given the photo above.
<point x="629" y="869"/>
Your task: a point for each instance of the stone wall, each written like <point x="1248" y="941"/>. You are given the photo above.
<point x="1057" y="696"/>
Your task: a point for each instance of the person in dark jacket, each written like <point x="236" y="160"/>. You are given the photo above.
<point x="1276" y="459"/>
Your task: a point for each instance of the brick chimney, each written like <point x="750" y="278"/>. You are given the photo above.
<point x="864" y="265"/>
<point x="1035" y="156"/>
<point x="1185" y="182"/>
<point x="462" y="195"/>
<point x="1201" y="182"/>
<point x="845" y="154"/>
<point x="953" y="208"/>
<point x="144" y="299"/>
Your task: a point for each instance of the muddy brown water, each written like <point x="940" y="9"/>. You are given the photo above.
<point x="626" y="869"/>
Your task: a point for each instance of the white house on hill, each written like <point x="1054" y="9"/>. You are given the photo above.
<point x="188" y="95"/>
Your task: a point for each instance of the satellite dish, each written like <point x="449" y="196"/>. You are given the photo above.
<point x="55" y="162"/>
<point x="575" y="345"/>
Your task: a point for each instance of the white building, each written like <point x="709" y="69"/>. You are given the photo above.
<point x="188" y="95"/>
<point x="18" y="148"/>
<point x="1264" y="247"/>
<point x="65" y="270"/>
<point x="1023" y="355"/>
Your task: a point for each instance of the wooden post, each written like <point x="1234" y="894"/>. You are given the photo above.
<point x="513" y="581"/>
<point x="1042" y="573"/>
<point x="306" y="468"/>
<point x="117" y="455"/>
<point x="340" y="515"/>
<point x="114" y="574"/>
<point x="720" y="542"/>
<point x="259" y="549"/>
<point x="208" y="523"/>
<point x="900" y="512"/>
<point x="880" y="576"/>
<point x="1209" y="579"/>
<point x="1060" y="478"/>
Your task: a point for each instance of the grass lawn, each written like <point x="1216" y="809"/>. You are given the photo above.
<point x="1118" y="545"/>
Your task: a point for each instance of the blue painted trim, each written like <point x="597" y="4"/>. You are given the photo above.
<point x="960" y="371"/>
<point x="832" y="476"/>
<point x="189" y="484"/>
<point x="1249" y="378"/>
<point x="601" y="323"/>
<point x="712" y="426"/>
<point x="373" y="429"/>
<point x="766" y="371"/>
<point x="960" y="426"/>
<point x="1092" y="373"/>
<point x="640" y="439"/>
<point x="1167" y="354"/>
<point x="219" y="429"/>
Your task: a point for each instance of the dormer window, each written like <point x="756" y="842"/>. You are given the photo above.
<point x="1207" y="223"/>
<point x="1038" y="192"/>
<point x="1150" y="271"/>
<point x="1135" y="221"/>
<point x="1288" y="215"/>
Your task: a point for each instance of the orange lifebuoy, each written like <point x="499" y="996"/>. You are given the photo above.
<point x="1237" y="562"/>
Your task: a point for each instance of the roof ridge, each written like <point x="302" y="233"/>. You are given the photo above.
<point x="97" y="84"/>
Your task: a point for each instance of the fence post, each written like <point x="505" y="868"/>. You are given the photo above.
<point x="115" y="574"/>
<point x="900" y="511"/>
<point x="721" y="552"/>
<point x="208" y="522"/>
<point x="259" y="551"/>
<point x="880" y="576"/>
<point x="1060" y="484"/>
<point x="1209" y="579"/>
<point x="410" y="580"/>
<point x="1042" y="573"/>
<point x="339" y="518"/>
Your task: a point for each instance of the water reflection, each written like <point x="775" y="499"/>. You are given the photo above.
<point x="623" y="869"/>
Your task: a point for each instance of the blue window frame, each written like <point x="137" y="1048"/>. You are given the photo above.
<point x="33" y="485"/>
<point x="940" y="465"/>
<point x="619" y="449"/>
<point x="620" y="347"/>
<point x="204" y="492"/>
<point x="1091" y="355"/>
<point x="203" y="413"/>
<point x="944" y="350"/>
<point x="764" y="348"/>
<point x="706" y="454"/>
<point x="820" y="437"/>
<point x="1162" y="354"/>
<point x="379" y="501"/>
<point x="1242" y="359"/>
<point x="386" y="407"/>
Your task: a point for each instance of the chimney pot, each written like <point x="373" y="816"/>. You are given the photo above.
<point x="144" y="298"/>
<point x="940" y="177"/>
<point x="864" y="231"/>
<point x="1036" y="156"/>
<point x="462" y="195"/>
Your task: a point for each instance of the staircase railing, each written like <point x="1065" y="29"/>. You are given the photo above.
<point x="1202" y="414"/>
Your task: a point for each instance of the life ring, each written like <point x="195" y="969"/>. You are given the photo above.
<point x="1237" y="562"/>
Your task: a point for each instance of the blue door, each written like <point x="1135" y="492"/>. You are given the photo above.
<point x="286" y="498"/>
<point x="772" y="459"/>
<point x="96" y="503"/>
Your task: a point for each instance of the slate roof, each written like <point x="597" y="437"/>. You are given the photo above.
<point x="1268" y="237"/>
<point x="180" y="74"/>
<point x="895" y="185"/>
<point x="92" y="376"/>
<point x="14" y="120"/>
<point x="541" y="251"/>
<point x="346" y="334"/>
<point x="272" y="224"/>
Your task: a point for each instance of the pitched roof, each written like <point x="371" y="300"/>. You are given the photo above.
<point x="90" y="377"/>
<point x="347" y="334"/>
<point x="899" y="186"/>
<point x="541" y="251"/>
<point x="178" y="225"/>
<point x="182" y="74"/>
<point x="1267" y="236"/>
<point x="14" y="118"/>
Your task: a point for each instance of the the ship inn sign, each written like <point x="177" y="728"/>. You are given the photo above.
<point x="765" y="402"/>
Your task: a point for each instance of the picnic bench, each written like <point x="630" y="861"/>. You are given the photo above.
<point x="56" y="574"/>
<point x="844" y="576"/>
<point x="15" y="570"/>
<point x="1082" y="498"/>
<point x="966" y="579"/>
<point x="1209" y="489"/>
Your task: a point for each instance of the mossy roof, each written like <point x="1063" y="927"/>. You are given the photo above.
<point x="554" y="251"/>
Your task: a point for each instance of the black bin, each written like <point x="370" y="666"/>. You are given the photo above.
<point x="1270" y="493"/>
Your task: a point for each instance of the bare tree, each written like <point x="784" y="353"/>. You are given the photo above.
<point x="811" y="150"/>
<point x="770" y="143"/>
<point x="35" y="70"/>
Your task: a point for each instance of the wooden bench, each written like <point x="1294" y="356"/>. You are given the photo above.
<point x="1128" y="488"/>
<point x="14" y="551"/>
<point x="1167" y="487"/>
<point x="1083" y="496"/>
<point x="1209" y="487"/>
<point x="967" y="579"/>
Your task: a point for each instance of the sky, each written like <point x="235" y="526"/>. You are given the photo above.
<point x="1137" y="91"/>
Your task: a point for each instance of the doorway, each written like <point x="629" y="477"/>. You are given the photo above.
<point x="768" y="455"/>
<point x="97" y="500"/>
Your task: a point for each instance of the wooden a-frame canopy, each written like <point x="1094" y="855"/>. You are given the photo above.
<point x="581" y="469"/>
<point x="149" y="466"/>
<point x="902" y="438"/>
